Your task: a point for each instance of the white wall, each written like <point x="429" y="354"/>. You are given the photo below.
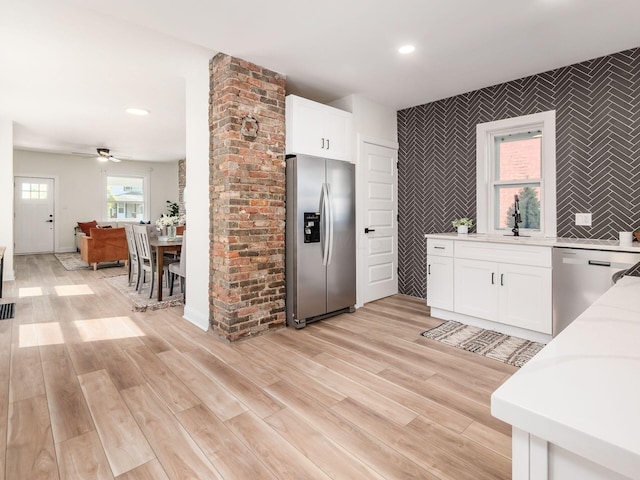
<point x="196" y="309"/>
<point x="79" y="187"/>
<point x="6" y="196"/>
<point x="369" y="119"/>
<point x="375" y="123"/>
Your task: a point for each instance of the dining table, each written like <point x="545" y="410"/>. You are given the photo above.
<point x="161" y="245"/>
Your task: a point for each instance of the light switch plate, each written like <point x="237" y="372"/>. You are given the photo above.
<point x="583" y="219"/>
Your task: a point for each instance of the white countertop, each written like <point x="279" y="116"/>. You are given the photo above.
<point x="585" y="243"/>
<point x="582" y="391"/>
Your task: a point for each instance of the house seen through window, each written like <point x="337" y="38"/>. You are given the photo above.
<point x="125" y="198"/>
<point x="518" y="169"/>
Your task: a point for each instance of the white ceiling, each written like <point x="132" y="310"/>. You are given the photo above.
<point x="69" y="68"/>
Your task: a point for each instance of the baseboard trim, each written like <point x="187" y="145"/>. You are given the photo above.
<point x="8" y="276"/>
<point x="489" y="325"/>
<point x="196" y="317"/>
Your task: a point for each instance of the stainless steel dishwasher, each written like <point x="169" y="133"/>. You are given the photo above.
<point x="580" y="276"/>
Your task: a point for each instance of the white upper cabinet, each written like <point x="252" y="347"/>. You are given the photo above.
<point x="317" y="129"/>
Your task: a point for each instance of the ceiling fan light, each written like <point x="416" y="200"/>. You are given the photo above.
<point x="100" y="158"/>
<point x="406" y="49"/>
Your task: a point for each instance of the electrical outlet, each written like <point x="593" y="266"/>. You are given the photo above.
<point x="583" y="219"/>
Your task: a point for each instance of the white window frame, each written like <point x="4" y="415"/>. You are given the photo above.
<point x="485" y="133"/>
<point x="145" y="185"/>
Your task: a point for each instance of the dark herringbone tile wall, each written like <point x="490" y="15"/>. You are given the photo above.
<point x="597" y="107"/>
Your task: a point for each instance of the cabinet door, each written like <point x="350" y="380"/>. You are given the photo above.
<point x="337" y="134"/>
<point x="317" y="129"/>
<point x="440" y="282"/>
<point x="525" y="297"/>
<point x="476" y="290"/>
<point x="305" y="127"/>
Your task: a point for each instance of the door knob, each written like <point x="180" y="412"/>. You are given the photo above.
<point x="49" y="221"/>
<point x="367" y="230"/>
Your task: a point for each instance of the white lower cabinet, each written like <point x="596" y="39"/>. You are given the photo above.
<point x="440" y="282"/>
<point x="525" y="297"/>
<point x="517" y="295"/>
<point x="475" y="290"/>
<point x="504" y="284"/>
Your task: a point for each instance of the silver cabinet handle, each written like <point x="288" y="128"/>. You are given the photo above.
<point x="438" y="248"/>
<point x="492" y="278"/>
<point x="327" y="144"/>
<point x="428" y="269"/>
<point x="323" y="143"/>
<point x="502" y="279"/>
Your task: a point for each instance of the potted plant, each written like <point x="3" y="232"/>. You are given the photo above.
<point x="463" y="224"/>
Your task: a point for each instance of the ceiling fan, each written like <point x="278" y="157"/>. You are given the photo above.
<point x="103" y="155"/>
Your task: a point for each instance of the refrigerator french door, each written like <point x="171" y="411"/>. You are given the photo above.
<point x="320" y="239"/>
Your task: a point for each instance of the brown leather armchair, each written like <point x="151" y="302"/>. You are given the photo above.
<point x="104" y="245"/>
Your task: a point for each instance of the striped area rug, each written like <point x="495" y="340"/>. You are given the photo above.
<point x="498" y="346"/>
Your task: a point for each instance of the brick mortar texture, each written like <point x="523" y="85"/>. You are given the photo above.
<point x="247" y="193"/>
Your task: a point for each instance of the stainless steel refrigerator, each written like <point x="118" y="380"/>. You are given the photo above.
<point x="320" y="239"/>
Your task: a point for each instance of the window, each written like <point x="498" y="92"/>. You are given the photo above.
<point x="126" y="197"/>
<point x="516" y="157"/>
<point x="34" y="191"/>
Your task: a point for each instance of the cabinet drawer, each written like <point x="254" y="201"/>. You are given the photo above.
<point x="534" y="255"/>
<point x="444" y="248"/>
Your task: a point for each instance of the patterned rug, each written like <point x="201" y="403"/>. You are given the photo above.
<point x="141" y="302"/>
<point x="498" y="346"/>
<point x="72" y="261"/>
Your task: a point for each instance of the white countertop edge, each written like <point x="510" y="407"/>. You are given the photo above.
<point x="613" y="457"/>
<point x="521" y="401"/>
<point x="585" y="243"/>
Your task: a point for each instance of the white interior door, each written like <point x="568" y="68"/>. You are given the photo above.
<point x="34" y="220"/>
<point x="380" y="221"/>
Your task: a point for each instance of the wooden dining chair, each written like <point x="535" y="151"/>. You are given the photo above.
<point x="145" y="257"/>
<point x="134" y="263"/>
<point x="180" y="268"/>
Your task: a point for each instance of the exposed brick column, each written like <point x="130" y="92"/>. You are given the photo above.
<point x="247" y="184"/>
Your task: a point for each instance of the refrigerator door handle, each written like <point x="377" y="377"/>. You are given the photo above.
<point x="330" y="222"/>
<point x="324" y="222"/>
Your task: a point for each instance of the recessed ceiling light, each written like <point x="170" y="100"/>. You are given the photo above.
<point x="137" y="111"/>
<point x="406" y="49"/>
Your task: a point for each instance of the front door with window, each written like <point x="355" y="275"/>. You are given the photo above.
<point x="34" y="210"/>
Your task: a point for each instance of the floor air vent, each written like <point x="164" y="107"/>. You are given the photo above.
<point x="7" y="310"/>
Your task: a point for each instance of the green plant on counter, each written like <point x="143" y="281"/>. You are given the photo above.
<point x="462" y="222"/>
<point x="173" y="208"/>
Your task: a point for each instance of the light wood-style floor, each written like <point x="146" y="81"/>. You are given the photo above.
<point x="90" y="389"/>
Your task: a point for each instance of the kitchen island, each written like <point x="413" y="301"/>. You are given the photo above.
<point x="575" y="407"/>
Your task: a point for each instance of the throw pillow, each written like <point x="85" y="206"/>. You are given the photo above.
<point x="87" y="226"/>
<point x="142" y="222"/>
<point x="105" y="226"/>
